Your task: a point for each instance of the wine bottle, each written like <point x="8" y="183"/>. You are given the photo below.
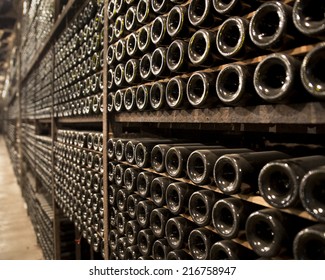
<point x="121" y="247"/>
<point x="229" y="250"/>
<point x="142" y="97"/>
<point x="160" y="249"/>
<point x="200" y="90"/>
<point x="276" y="78"/>
<point x="144" y="14"/>
<point x="238" y="173"/>
<point x="145" y="67"/>
<point x="132" y="253"/>
<point x="312" y="193"/>
<point x="132" y="203"/>
<point x="234" y="85"/>
<point x="279" y="180"/>
<point x="143" y="211"/>
<point x="158" y="220"/>
<point x="144" y="39"/>
<point x="311" y="72"/>
<point x="121" y="199"/>
<point x="145" y="241"/>
<point x="119" y="173"/>
<point x="132" y="229"/>
<point x="157" y="95"/>
<point x="143" y="183"/>
<point x="132" y="48"/>
<point x="158" y="63"/>
<point x="233" y="40"/>
<point x="200" y="241"/>
<point x="159" y="35"/>
<point x="161" y="6"/>
<point x="121" y="219"/>
<point x="177" y="57"/>
<point x="179" y="255"/>
<point x="308" y="17"/>
<point x="229" y="216"/>
<point x="202" y="14"/>
<point x="177" y="23"/>
<point x="309" y="243"/>
<point x="200" y="206"/>
<point x="177" y="197"/>
<point x="130" y="178"/>
<point x="271" y="26"/>
<point x="202" y="50"/>
<point x="176" y="93"/>
<point x="113" y="236"/>
<point x="158" y="189"/>
<point x="131" y="21"/>
<point x="177" y="230"/>
<point x="129" y="100"/>
<point x="132" y="72"/>
<point x="200" y="163"/>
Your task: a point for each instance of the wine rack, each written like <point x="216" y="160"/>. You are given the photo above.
<point x="180" y="72"/>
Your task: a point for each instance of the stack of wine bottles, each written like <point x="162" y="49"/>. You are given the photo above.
<point x="78" y="180"/>
<point x="169" y="199"/>
<point x="180" y="54"/>
<point x="79" y="58"/>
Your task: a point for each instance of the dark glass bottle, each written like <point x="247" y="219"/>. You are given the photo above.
<point x="238" y="173"/>
<point x="271" y="26"/>
<point x="177" y="230"/>
<point x="119" y="174"/>
<point x="176" y="93"/>
<point x="144" y="39"/>
<point x="157" y="95"/>
<point x="279" y="180"/>
<point x="132" y="71"/>
<point x="158" y="33"/>
<point x="158" y="189"/>
<point x="132" y="229"/>
<point x="131" y="21"/>
<point x="276" y="78"/>
<point x="177" y="23"/>
<point x="143" y="211"/>
<point x="177" y="57"/>
<point x="121" y="199"/>
<point x="202" y="14"/>
<point x="311" y="72"/>
<point x="112" y="191"/>
<point x="121" y="219"/>
<point x="177" y="197"/>
<point x="132" y="48"/>
<point x="308" y="17"/>
<point x="132" y="253"/>
<point x="158" y="63"/>
<point x="202" y="50"/>
<point x="312" y="193"/>
<point x="179" y="255"/>
<point x="120" y="149"/>
<point x="200" y="241"/>
<point x="144" y="14"/>
<point x="142" y="97"/>
<point x="132" y="203"/>
<point x="144" y="182"/>
<point x="270" y="231"/>
<point x="200" y="163"/>
<point x="234" y="85"/>
<point x="130" y="178"/>
<point x="233" y="40"/>
<point x="129" y="100"/>
<point x="145" y="67"/>
<point x="160" y="249"/>
<point x="229" y="216"/>
<point x="158" y="220"/>
<point x="200" y="206"/>
<point x="200" y="90"/>
<point x="229" y="250"/>
<point x="146" y="239"/>
<point x="309" y="243"/>
<point x="113" y="236"/>
<point x="161" y="6"/>
<point x="121" y="247"/>
<point x="234" y="7"/>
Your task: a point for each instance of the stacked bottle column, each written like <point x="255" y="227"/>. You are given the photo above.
<point x="192" y="200"/>
<point x="78" y="78"/>
<point x="79" y="182"/>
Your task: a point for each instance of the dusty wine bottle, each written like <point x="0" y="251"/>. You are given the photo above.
<point x="121" y="219"/>
<point x="132" y="229"/>
<point x="144" y="182"/>
<point x="177" y="23"/>
<point x="161" y="6"/>
<point x="200" y="206"/>
<point x="176" y="93"/>
<point x="130" y="178"/>
<point x="200" y="90"/>
<point x="276" y="78"/>
<point x="179" y="255"/>
<point x="279" y="180"/>
<point x="143" y="211"/>
<point x="159" y="35"/>
<point x="308" y="17"/>
<point x="121" y="247"/>
<point x="177" y="57"/>
<point x="157" y="95"/>
<point x="158" y="220"/>
<point x="200" y="241"/>
<point x="229" y="250"/>
<point x="145" y="67"/>
<point x="129" y="99"/>
<point x="121" y="199"/>
<point x="132" y="253"/>
<point x="142" y="97"/>
<point x="132" y="202"/>
<point x="229" y="216"/>
<point x="311" y="72"/>
<point x="158" y="189"/>
<point x="177" y="230"/>
<point x="177" y="197"/>
<point x="309" y="243"/>
<point x="145" y="241"/>
<point x="233" y="40"/>
<point x="132" y="72"/>
<point x="234" y="85"/>
<point x="235" y="173"/>
<point x="131" y="22"/>
<point x="160" y="249"/>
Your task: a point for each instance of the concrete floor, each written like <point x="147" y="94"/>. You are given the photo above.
<point x="17" y="236"/>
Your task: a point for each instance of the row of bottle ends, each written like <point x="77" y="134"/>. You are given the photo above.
<point x="284" y="181"/>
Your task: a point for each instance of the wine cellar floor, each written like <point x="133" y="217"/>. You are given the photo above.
<point x="17" y="237"/>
